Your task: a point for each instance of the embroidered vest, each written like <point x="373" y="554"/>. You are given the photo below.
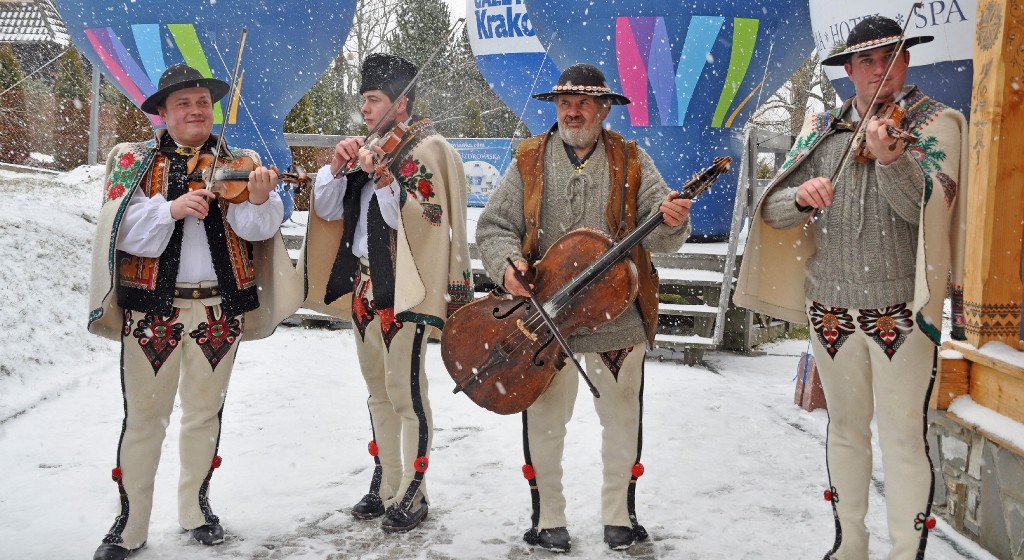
<point x="147" y="283"/>
<point x="620" y="213"/>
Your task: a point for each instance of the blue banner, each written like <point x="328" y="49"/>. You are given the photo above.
<point x="289" y="46"/>
<point x="695" y="72"/>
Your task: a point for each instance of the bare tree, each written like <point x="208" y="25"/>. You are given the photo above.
<point x="808" y="89"/>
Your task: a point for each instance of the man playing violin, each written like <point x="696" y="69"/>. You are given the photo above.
<point x="386" y="247"/>
<point x="180" y="278"/>
<point x="870" y="275"/>
<point x="591" y="176"/>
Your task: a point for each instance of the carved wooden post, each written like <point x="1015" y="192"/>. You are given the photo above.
<point x="992" y="279"/>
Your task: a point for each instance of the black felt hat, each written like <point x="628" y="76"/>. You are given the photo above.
<point x="388" y="73"/>
<point x="583" y="79"/>
<point x="182" y="76"/>
<point x="870" y="33"/>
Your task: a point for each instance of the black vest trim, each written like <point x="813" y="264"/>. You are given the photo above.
<point x="234" y="302"/>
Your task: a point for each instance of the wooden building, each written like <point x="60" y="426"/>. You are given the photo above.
<point x="977" y="428"/>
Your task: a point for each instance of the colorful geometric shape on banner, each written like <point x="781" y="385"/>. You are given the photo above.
<point x="286" y="50"/>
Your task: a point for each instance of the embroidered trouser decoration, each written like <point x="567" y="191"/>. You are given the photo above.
<point x="833" y="325"/>
<point x="392" y="364"/>
<point x="888" y="327"/>
<point x="216" y="336"/>
<point x="619" y="410"/>
<point x="362" y="311"/>
<point x="886" y="366"/>
<point x="158" y="337"/>
<point x="613" y="360"/>
<point x="149" y="400"/>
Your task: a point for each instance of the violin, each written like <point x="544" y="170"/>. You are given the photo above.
<point x="501" y="350"/>
<point x="856" y="148"/>
<point x="385" y="148"/>
<point x="231" y="177"/>
<point x="888" y="110"/>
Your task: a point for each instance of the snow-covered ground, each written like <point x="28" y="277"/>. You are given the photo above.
<point x="733" y="469"/>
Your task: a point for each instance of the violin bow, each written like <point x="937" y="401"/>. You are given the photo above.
<point x="391" y="110"/>
<point x="861" y="128"/>
<point x="229" y="97"/>
<point x="386" y="118"/>
<point x="552" y="327"/>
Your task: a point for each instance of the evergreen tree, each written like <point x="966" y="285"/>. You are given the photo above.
<point x="302" y="120"/>
<point x="130" y="123"/>
<point x="498" y="120"/>
<point x="473" y="122"/>
<point x="422" y="28"/>
<point x="14" y="139"/>
<point x="71" y="131"/>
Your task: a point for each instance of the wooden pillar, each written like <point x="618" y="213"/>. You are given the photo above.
<point x="992" y="279"/>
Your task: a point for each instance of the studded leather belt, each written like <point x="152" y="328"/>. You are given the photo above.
<point x="196" y="293"/>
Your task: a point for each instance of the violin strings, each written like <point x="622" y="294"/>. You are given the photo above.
<point x="534" y="323"/>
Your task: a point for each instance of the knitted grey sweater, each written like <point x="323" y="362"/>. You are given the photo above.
<point x="867" y="240"/>
<point x="571" y="201"/>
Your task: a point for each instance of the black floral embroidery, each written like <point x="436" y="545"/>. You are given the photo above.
<point x="888" y="326"/>
<point x="833" y="325"/>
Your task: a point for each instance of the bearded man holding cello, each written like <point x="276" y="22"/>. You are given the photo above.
<point x="590" y="178"/>
<point x="180" y="278"/>
<point x="386" y="247"/>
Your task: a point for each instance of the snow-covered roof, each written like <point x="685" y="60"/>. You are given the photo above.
<point x="31" y="21"/>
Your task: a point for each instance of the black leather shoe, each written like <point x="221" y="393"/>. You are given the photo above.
<point x="618" y="537"/>
<point x="399" y="520"/>
<point x="370" y="507"/>
<point x="555" y="539"/>
<point x="108" y="551"/>
<point x="209" y="534"/>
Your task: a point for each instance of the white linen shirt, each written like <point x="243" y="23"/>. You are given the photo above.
<point x="329" y="194"/>
<point x="147" y="227"/>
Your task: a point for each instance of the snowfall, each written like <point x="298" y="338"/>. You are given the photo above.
<point x="733" y="469"/>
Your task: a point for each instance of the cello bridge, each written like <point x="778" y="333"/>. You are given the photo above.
<point x="526" y="333"/>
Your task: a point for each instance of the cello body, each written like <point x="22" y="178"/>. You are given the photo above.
<point x="498" y="350"/>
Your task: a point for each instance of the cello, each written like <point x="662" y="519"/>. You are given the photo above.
<point x="503" y="351"/>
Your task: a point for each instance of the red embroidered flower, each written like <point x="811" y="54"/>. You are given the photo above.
<point x="408" y="168"/>
<point x="116" y="474"/>
<point x="421" y="464"/>
<point x="126" y="160"/>
<point x="425" y="187"/>
<point x="638" y="470"/>
<point x="372" y="448"/>
<point x="115" y="192"/>
<point x="831" y="495"/>
<point x="929" y="523"/>
<point x="216" y="461"/>
<point x="529" y="473"/>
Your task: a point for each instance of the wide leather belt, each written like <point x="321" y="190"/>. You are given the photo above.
<point x="196" y="293"/>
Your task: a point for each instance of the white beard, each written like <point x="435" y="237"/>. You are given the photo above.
<point x="579" y="138"/>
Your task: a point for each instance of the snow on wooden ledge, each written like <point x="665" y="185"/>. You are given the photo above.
<point x="989" y="421"/>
